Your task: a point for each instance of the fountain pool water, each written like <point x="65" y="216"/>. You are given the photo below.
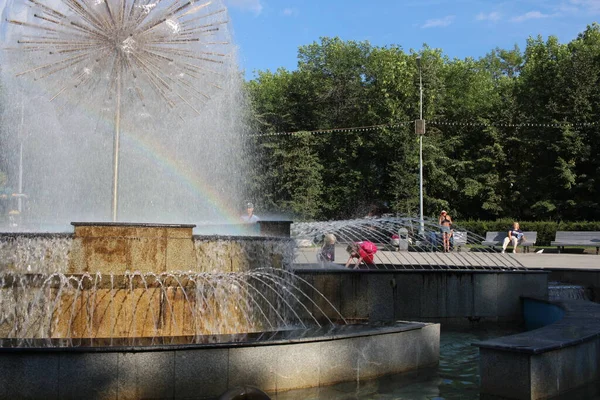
<point x="456" y="377"/>
<point x="566" y="291"/>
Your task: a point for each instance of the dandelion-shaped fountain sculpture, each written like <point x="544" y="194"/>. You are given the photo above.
<point x="125" y="51"/>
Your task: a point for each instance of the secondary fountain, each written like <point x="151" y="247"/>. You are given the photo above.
<point x="402" y="246"/>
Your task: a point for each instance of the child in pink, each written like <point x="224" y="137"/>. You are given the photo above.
<point x="361" y="252"/>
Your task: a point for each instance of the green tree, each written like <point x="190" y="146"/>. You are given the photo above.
<point x="496" y="142"/>
<point x="550" y="159"/>
<point x="300" y="183"/>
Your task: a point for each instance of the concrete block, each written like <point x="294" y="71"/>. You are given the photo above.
<point x="545" y="375"/>
<point x="562" y="370"/>
<point x="514" y="285"/>
<point x="509" y="292"/>
<point x="305" y="285"/>
<point x="389" y="353"/>
<point x="88" y="375"/>
<point x="200" y="373"/>
<point x="329" y="286"/>
<point x="535" y="285"/>
<point x="179" y="233"/>
<point x="429" y="346"/>
<point x="354" y="297"/>
<point x="434" y="295"/>
<point x="339" y="361"/>
<point x="298" y="366"/>
<point x="381" y="297"/>
<point x="459" y="295"/>
<point x="180" y="255"/>
<point x="504" y="374"/>
<point x="149" y="375"/>
<point x="408" y="295"/>
<point x="254" y="366"/>
<point x="485" y="298"/>
<point x="29" y="376"/>
<point x="578" y="365"/>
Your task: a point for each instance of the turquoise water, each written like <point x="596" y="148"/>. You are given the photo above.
<point x="456" y="377"/>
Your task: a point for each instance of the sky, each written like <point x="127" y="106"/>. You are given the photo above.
<point x="269" y="32"/>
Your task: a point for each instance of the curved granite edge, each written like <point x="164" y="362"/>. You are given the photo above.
<point x="169" y="343"/>
<point x="545" y="362"/>
<point x="207" y="372"/>
<point x="580" y="323"/>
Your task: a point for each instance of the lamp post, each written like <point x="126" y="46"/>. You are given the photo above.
<point x="20" y="187"/>
<point x="420" y="130"/>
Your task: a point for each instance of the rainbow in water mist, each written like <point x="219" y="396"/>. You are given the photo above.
<point x="182" y="156"/>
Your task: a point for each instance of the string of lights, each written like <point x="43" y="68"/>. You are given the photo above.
<point x="371" y="128"/>
<point x="337" y="130"/>
<point x="509" y="125"/>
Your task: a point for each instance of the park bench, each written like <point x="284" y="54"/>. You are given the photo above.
<point x="460" y="240"/>
<point x="583" y="239"/>
<point x="457" y="240"/>
<point x="493" y="239"/>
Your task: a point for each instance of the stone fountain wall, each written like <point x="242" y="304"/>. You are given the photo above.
<point x="113" y="248"/>
<point x="116" y="248"/>
<point x="136" y="280"/>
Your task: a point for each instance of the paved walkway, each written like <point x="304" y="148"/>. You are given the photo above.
<point x="575" y="261"/>
<point x="465" y="259"/>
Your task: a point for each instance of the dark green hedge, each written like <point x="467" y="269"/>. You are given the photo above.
<point x="546" y="229"/>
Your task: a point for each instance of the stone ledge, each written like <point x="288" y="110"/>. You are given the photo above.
<point x="241" y="238"/>
<point x="33" y="235"/>
<point x="132" y="224"/>
<point x="408" y="269"/>
<point x="580" y="323"/>
<point x="546" y="362"/>
<point x="206" y="372"/>
<point x="170" y="343"/>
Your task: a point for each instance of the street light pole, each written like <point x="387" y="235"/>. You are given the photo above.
<point x="20" y="187"/>
<point x="422" y="221"/>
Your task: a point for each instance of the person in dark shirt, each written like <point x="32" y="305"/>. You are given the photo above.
<point x="515" y="236"/>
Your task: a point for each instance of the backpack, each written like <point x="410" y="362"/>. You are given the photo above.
<point x="368" y="247"/>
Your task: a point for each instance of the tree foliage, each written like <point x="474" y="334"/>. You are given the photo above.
<point x="496" y="145"/>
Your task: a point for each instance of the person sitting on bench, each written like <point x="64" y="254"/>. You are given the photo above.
<point x="515" y="236"/>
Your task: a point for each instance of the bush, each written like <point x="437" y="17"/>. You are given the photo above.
<point x="546" y="229"/>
